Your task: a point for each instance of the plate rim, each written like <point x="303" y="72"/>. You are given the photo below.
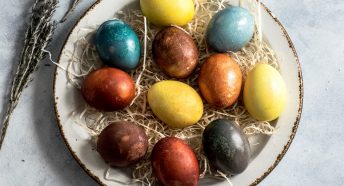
<point x="258" y="179"/>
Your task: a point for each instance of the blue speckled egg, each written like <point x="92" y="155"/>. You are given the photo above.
<point x="230" y="29"/>
<point x="118" y="45"/>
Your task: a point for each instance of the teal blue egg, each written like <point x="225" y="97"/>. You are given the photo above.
<point x="230" y="29"/>
<point x="118" y="45"/>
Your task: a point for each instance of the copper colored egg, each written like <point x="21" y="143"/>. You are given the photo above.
<point x="175" y="52"/>
<point x="174" y="163"/>
<point x="122" y="143"/>
<point x="220" y="80"/>
<point x="108" y="89"/>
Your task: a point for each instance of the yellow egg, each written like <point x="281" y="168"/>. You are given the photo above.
<point x="175" y="103"/>
<point x="168" y="12"/>
<point x="265" y="93"/>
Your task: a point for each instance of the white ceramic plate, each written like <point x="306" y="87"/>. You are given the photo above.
<point x="266" y="155"/>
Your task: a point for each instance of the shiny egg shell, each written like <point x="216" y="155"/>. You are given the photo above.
<point x="122" y="144"/>
<point x="175" y="163"/>
<point x="230" y="29"/>
<point x="265" y="93"/>
<point x="226" y="146"/>
<point x="108" y="89"/>
<point x="118" y="45"/>
<point x="175" y="52"/>
<point x="220" y="80"/>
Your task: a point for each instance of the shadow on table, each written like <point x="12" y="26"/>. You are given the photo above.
<point x="52" y="145"/>
<point x="18" y="44"/>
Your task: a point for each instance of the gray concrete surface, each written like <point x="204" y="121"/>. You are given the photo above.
<point x="35" y="154"/>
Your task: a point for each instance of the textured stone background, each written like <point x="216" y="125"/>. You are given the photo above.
<point x="35" y="154"/>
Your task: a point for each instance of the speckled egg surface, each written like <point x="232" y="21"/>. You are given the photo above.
<point x="220" y="80"/>
<point x="118" y="45"/>
<point x="226" y="146"/>
<point x="230" y="29"/>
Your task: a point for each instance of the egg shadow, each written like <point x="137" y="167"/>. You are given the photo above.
<point x="210" y="181"/>
<point x="91" y="161"/>
<point x="258" y="142"/>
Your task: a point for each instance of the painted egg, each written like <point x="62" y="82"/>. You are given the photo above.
<point x="175" y="163"/>
<point x="108" y="89"/>
<point x="230" y="29"/>
<point x="122" y="144"/>
<point x="118" y="45"/>
<point x="265" y="93"/>
<point x="226" y="146"/>
<point x="175" y="52"/>
<point x="175" y="103"/>
<point x="167" y="12"/>
<point x="220" y="80"/>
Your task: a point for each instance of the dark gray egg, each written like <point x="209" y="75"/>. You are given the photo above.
<point x="226" y="146"/>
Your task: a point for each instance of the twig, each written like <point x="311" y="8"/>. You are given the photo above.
<point x="37" y="37"/>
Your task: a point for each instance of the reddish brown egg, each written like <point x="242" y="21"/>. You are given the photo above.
<point x="122" y="143"/>
<point x="175" y="52"/>
<point x="220" y="80"/>
<point x="174" y="163"/>
<point x="108" y="89"/>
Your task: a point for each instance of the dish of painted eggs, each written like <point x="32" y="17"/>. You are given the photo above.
<point x="178" y="92"/>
